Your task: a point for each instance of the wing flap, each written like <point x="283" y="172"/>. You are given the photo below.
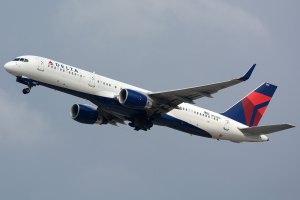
<point x="261" y="130"/>
<point x="112" y="118"/>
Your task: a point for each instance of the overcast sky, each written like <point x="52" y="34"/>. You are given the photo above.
<point x="158" y="45"/>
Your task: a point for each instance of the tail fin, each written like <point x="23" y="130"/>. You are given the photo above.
<point x="250" y="109"/>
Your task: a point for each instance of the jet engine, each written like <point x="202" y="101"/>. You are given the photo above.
<point x="133" y="99"/>
<point x="86" y="114"/>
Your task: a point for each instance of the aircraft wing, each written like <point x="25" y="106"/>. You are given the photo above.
<point x="260" y="130"/>
<point x="112" y="118"/>
<point x="169" y="100"/>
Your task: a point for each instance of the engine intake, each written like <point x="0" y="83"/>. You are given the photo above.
<point x="86" y="114"/>
<point x="133" y="99"/>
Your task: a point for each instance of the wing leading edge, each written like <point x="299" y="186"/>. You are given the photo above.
<point x="169" y="100"/>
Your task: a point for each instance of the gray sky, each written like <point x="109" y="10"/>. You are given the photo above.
<point x="157" y="45"/>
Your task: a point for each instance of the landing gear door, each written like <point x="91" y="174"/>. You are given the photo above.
<point x="40" y="64"/>
<point x="92" y="80"/>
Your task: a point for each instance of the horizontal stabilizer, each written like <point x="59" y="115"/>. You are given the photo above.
<point x="260" y="130"/>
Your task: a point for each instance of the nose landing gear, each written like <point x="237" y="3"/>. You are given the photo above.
<point x="26" y="90"/>
<point x="28" y="82"/>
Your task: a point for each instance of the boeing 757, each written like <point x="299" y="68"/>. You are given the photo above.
<point x="114" y="102"/>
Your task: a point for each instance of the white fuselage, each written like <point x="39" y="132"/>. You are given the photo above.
<point x="64" y="76"/>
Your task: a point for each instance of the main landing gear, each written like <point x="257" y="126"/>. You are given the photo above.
<point x="141" y="124"/>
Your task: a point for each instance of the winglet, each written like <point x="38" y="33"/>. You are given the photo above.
<point x="248" y="74"/>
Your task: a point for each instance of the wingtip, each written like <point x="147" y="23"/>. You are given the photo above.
<point x="291" y="125"/>
<point x="248" y="74"/>
<point x="288" y="126"/>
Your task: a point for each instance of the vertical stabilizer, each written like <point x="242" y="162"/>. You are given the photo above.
<point x="250" y="109"/>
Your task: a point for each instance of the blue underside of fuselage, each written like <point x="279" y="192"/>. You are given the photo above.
<point x="113" y="105"/>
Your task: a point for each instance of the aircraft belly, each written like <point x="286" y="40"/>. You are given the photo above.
<point x="181" y="125"/>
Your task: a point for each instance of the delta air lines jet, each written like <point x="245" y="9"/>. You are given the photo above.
<point x="116" y="102"/>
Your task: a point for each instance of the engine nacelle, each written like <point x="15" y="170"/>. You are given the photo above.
<point x="133" y="99"/>
<point x="86" y="114"/>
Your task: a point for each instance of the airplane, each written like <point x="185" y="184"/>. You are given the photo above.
<point x="116" y="103"/>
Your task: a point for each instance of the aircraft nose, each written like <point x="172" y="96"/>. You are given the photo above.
<point x="8" y="66"/>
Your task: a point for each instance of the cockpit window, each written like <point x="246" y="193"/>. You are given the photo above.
<point x="21" y="59"/>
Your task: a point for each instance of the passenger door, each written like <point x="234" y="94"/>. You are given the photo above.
<point x="40" y="64"/>
<point x="227" y="125"/>
<point x="92" y="80"/>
